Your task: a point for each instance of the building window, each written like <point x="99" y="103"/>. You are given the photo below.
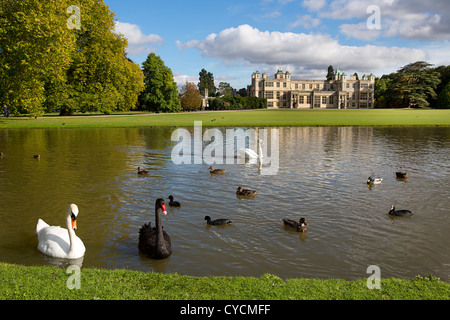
<point x="269" y="95"/>
<point x="363" y="96"/>
<point x="316" y="102"/>
<point x="303" y="86"/>
<point x="278" y="84"/>
<point x="331" y="100"/>
<point x="301" y="99"/>
<point x="278" y="95"/>
<point x="310" y="86"/>
<point x="296" y="86"/>
<point x="284" y="84"/>
<point x="269" y="84"/>
<point x="324" y="100"/>
<point x="308" y="99"/>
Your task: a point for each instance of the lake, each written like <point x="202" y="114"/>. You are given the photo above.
<point x="321" y="176"/>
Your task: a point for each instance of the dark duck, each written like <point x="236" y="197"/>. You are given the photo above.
<point x="299" y="226"/>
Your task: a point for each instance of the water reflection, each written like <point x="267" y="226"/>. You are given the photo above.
<point x="322" y="176"/>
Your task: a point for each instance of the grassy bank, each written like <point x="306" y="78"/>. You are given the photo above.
<point x="261" y="118"/>
<point x="49" y="283"/>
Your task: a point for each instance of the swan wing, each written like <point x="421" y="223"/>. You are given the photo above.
<point x="54" y="241"/>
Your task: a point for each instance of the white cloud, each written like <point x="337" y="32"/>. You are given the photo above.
<point x="256" y="47"/>
<point x="307" y="21"/>
<point x="314" y="5"/>
<point x="359" y="31"/>
<point x="407" y="19"/>
<point x="138" y="42"/>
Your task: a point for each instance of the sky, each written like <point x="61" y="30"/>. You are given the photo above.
<point x="232" y="39"/>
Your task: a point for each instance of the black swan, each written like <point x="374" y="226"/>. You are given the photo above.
<point x="154" y="242"/>
<point x="245" y="192"/>
<point x="142" y="172"/>
<point x="294" y="225"/>
<point x="173" y="203"/>
<point x="217" y="222"/>
<point x="216" y="171"/>
<point x="400" y="213"/>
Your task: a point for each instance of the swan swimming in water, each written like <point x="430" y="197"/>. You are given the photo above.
<point x="154" y="242"/>
<point x="58" y="242"/>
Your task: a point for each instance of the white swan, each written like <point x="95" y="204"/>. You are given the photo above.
<point x="248" y="153"/>
<point x="58" y="242"/>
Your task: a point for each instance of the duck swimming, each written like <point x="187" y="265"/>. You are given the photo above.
<point x="402" y="175"/>
<point x="173" y="203"/>
<point x="299" y="226"/>
<point x="216" y="171"/>
<point x="245" y="192"/>
<point x="217" y="222"/>
<point x="154" y="242"/>
<point x="142" y="172"/>
<point x="400" y="213"/>
<point x="371" y="180"/>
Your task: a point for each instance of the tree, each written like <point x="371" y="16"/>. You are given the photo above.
<point x="443" y="100"/>
<point x="330" y="73"/>
<point x="206" y="81"/>
<point x="160" y="93"/>
<point x="242" y="92"/>
<point x="225" y="88"/>
<point x="190" y="97"/>
<point x="46" y="64"/>
<point x="35" y="46"/>
<point x="415" y="83"/>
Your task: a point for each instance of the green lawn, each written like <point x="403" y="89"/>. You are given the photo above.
<point x="49" y="283"/>
<point x="261" y="118"/>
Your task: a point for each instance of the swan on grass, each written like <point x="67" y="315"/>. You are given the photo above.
<point x="58" y="242"/>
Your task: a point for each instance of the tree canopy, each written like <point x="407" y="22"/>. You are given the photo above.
<point x="190" y="97"/>
<point x="206" y="81"/>
<point x="161" y="92"/>
<point x="56" y="57"/>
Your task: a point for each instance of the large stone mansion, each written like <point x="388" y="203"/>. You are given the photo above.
<point x="340" y="92"/>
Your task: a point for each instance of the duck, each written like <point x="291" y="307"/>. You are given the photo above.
<point x="217" y="222"/>
<point x="299" y="226"/>
<point x="402" y="175"/>
<point x="245" y="192"/>
<point x="37" y="156"/>
<point x="58" y="242"/>
<point x="142" y="172"/>
<point x="216" y="171"/>
<point x="371" y="180"/>
<point x="155" y="242"/>
<point x="173" y="203"/>
<point x="399" y="213"/>
<point x="1" y="155"/>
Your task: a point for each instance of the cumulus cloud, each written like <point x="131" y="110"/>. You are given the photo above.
<point x="408" y="19"/>
<point x="318" y="51"/>
<point x="138" y="42"/>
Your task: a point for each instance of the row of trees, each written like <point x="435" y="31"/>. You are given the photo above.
<point x="56" y="55"/>
<point x="416" y="85"/>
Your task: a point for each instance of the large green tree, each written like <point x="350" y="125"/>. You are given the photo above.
<point x="414" y="84"/>
<point x="443" y="100"/>
<point x="161" y="92"/>
<point x="206" y="81"/>
<point x="56" y="57"/>
<point x="35" y="46"/>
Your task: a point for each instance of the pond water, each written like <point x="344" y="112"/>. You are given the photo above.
<point x="322" y="177"/>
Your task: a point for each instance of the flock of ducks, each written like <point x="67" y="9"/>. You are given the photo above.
<point x="154" y="242"/>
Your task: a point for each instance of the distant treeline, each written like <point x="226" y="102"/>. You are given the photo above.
<point x="229" y="102"/>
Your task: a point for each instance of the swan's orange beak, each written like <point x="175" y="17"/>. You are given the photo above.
<point x="74" y="224"/>
<point x="163" y="208"/>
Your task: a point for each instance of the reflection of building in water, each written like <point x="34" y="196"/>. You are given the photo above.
<point x="341" y="92"/>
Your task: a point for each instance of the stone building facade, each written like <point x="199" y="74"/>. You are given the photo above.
<point x="341" y="92"/>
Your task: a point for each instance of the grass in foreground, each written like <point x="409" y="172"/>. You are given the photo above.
<point x="50" y="283"/>
<point x="260" y="118"/>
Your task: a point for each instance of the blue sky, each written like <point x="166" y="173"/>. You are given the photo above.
<point x="232" y="39"/>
